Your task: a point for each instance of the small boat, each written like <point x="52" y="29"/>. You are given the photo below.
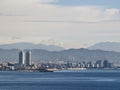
<point x="45" y="70"/>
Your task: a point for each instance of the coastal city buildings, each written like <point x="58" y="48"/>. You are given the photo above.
<point x="25" y="63"/>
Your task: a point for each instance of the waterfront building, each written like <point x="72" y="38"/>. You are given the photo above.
<point x="111" y="65"/>
<point x="105" y="64"/>
<point x="28" y="58"/>
<point x="89" y="65"/>
<point x="99" y="64"/>
<point x="83" y="64"/>
<point x="69" y="65"/>
<point x="21" y="58"/>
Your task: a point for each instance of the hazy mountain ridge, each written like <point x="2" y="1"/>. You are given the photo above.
<point x="24" y="45"/>
<point x="77" y="55"/>
<point x="107" y="46"/>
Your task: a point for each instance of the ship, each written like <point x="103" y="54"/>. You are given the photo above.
<point x="46" y="70"/>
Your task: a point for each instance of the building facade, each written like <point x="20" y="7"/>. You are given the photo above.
<point x="28" y="58"/>
<point x="25" y="58"/>
<point x="21" y="58"/>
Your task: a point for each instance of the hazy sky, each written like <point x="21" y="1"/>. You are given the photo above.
<point x="69" y="23"/>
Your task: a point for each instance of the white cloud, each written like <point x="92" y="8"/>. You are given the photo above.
<point x="112" y="12"/>
<point x="37" y="10"/>
<point x="35" y="40"/>
<point x="70" y="25"/>
<point x="51" y="41"/>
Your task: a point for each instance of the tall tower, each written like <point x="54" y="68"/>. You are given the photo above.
<point x="105" y="64"/>
<point x="28" y="58"/>
<point x="21" y="58"/>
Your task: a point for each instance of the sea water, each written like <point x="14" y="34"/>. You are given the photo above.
<point x="61" y="80"/>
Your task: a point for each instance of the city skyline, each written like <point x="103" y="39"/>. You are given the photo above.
<point x="67" y="23"/>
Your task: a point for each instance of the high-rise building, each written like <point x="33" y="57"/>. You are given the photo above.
<point x="99" y="64"/>
<point x="28" y="58"/>
<point x="89" y="65"/>
<point x="105" y="64"/>
<point x="21" y="58"/>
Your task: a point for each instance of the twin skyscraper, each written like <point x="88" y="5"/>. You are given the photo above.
<point x="25" y="58"/>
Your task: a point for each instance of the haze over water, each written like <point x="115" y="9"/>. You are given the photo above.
<point x="63" y="80"/>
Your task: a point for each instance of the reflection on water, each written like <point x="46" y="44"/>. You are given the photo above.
<point x="82" y="80"/>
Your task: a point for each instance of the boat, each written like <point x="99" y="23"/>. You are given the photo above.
<point x="45" y="70"/>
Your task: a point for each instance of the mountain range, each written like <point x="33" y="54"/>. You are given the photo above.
<point x="24" y="45"/>
<point x="107" y="46"/>
<point x="73" y="55"/>
<point x="101" y="51"/>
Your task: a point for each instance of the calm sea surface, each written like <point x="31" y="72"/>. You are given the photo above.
<point x="64" y="80"/>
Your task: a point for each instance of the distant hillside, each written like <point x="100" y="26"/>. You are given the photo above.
<point x="66" y="55"/>
<point x="31" y="46"/>
<point x="107" y="46"/>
